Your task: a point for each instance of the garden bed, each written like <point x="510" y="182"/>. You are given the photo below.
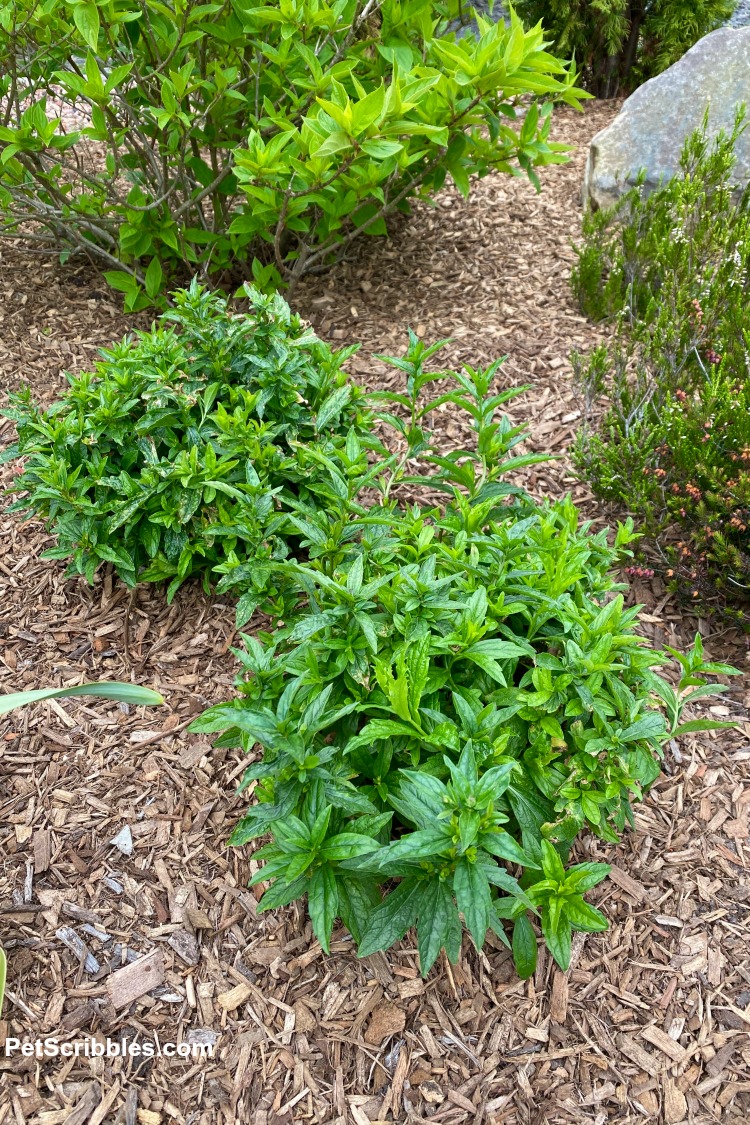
<point x="651" y="1022"/>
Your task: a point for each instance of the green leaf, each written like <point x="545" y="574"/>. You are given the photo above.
<point x="377" y="730"/>
<point x="396" y="914"/>
<point x="358" y="897"/>
<point x="557" y="935"/>
<point x="281" y="893"/>
<point x="417" y="845"/>
<point x="472" y="892"/>
<point x="551" y="863"/>
<point x="503" y="845"/>
<point x="332" y="407"/>
<point x="354" y="577"/>
<point x="524" y="947"/>
<point x="86" y="18"/>
<point x="322" y="904"/>
<point x="337" y="141"/>
<point x="381" y="149"/>
<point x="701" y="724"/>
<point x="106" y="689"/>
<point x="650" y="726"/>
<point x="531" y="810"/>
<point x="583" y="916"/>
<point x="437" y="916"/>
<point x="584" y="876"/>
<point x="347" y="845"/>
<point x="153" y="278"/>
<point x="124" y="282"/>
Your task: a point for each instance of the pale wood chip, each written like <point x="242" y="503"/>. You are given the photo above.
<point x="675" y="1103"/>
<point x="136" y="979"/>
<point x="235" y="998"/>
<point x="664" y="1043"/>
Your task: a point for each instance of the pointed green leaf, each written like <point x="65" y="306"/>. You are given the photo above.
<point x="472" y="892"/>
<point x="437" y="916"/>
<point x="86" y="18"/>
<point x="322" y="904"/>
<point x="358" y="897"/>
<point x="524" y="947"/>
<point x="389" y="922"/>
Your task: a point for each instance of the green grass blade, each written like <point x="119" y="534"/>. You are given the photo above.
<point x="108" y="689"/>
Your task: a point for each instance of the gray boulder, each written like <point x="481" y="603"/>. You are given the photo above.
<point x="653" y="124"/>
<point x="467" y="25"/>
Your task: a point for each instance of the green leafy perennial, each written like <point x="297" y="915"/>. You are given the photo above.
<point x="186" y="451"/>
<point x="450" y="695"/>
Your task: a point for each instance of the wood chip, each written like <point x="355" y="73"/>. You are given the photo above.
<point x="78" y="948"/>
<point x="136" y="979"/>
<point x="558" y="1007"/>
<point x="632" y="1049"/>
<point x="675" y="1103"/>
<point x="387" y="1019"/>
<point x="123" y="841"/>
<point x="185" y="946"/>
<point x="235" y="998"/>
<point x="85" y="1106"/>
<point x="664" y="1043"/>
<point x="628" y="884"/>
<point x="42" y="854"/>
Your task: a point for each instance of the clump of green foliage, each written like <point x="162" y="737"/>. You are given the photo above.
<point x="216" y="136"/>
<point x="673" y="445"/>
<point x="189" y="446"/>
<point x="451" y="694"/>
<point x="620" y="43"/>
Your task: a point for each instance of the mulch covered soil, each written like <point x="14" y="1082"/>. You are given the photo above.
<point x="124" y="913"/>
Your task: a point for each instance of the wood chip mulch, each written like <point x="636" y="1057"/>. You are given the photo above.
<point x="125" y="915"/>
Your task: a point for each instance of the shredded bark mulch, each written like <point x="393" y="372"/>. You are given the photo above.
<point x="124" y="914"/>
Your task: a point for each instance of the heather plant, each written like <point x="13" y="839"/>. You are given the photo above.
<point x="620" y="43"/>
<point x="448" y="695"/>
<point x="190" y="445"/>
<point x="673" y="442"/>
<point x="171" y="139"/>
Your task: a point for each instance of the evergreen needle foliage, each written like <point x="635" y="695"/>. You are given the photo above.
<point x="620" y="43"/>
<point x="673" y="445"/>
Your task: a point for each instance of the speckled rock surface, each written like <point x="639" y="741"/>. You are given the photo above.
<point x="468" y="25"/>
<point x="651" y="128"/>
<point x="741" y="15"/>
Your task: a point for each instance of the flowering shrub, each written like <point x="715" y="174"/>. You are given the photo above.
<point x="673" y="444"/>
<point x="450" y="695"/>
